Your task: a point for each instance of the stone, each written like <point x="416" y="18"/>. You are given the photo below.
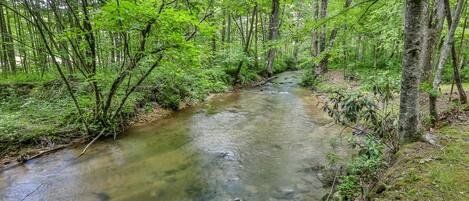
<point x="286" y="193"/>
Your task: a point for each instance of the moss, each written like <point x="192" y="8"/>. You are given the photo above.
<point x="426" y="172"/>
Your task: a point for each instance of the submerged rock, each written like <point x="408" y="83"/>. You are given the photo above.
<point x="286" y="193"/>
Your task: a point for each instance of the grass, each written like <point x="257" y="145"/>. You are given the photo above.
<point x="426" y="172"/>
<point x="35" y="116"/>
<point x="447" y="87"/>
<point x="27" y="78"/>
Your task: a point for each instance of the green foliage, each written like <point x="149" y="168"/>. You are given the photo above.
<point x="448" y="74"/>
<point x="362" y="169"/>
<point x="383" y="85"/>
<point x="374" y="129"/>
<point x="308" y="79"/>
<point x="284" y="63"/>
<point x="35" y="116"/>
<point x="27" y="78"/>
<point x="173" y="85"/>
<point x="349" y="187"/>
<point x="351" y="107"/>
<point x="428" y="88"/>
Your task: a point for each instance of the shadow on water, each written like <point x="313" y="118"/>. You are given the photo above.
<point x="258" y="144"/>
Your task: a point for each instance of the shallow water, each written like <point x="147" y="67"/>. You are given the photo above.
<point x="258" y="144"/>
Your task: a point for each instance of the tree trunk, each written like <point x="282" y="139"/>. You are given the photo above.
<point x="256" y="39"/>
<point x="449" y="41"/>
<point x="454" y="58"/>
<point x="296" y="48"/>
<point x="9" y="47"/>
<point x="273" y="34"/>
<point x="432" y="32"/>
<point x="228" y="31"/>
<point x="246" y="41"/>
<point x="314" y="32"/>
<point x="409" y="121"/>
<point x="322" y="67"/>
<point x="3" y="52"/>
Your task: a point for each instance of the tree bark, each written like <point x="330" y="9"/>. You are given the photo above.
<point x="432" y="31"/>
<point x="273" y="34"/>
<point x="322" y="68"/>
<point x="409" y="120"/>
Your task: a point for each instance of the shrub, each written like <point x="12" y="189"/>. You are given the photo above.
<point x="374" y="130"/>
<point x="174" y="86"/>
<point x="308" y="79"/>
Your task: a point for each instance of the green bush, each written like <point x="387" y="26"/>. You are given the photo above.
<point x="174" y="86"/>
<point x="308" y="79"/>
<point x="448" y="75"/>
<point x="363" y="168"/>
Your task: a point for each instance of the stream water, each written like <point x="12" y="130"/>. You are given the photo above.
<point x="259" y="144"/>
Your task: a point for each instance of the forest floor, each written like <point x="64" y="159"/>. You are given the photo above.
<point x="420" y="170"/>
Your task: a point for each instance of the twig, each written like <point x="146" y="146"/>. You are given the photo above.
<point x="29" y="194"/>
<point x="333" y="184"/>
<point x="89" y="144"/>
<point x="263" y="82"/>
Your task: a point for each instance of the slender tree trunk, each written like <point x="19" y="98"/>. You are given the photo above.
<point x="273" y="34"/>
<point x="246" y="41"/>
<point x="296" y="48"/>
<point x="9" y="47"/>
<point x="454" y="58"/>
<point x="223" y="28"/>
<point x="445" y="50"/>
<point x="314" y="32"/>
<point x="322" y="67"/>
<point x="409" y="121"/>
<point x="256" y="39"/>
<point x="228" y="33"/>
<point x="3" y="42"/>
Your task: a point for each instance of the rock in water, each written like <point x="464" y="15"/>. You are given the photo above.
<point x="286" y="193"/>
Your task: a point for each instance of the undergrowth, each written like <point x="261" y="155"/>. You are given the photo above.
<point x="374" y="137"/>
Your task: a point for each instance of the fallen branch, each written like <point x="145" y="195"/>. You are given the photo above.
<point x="333" y="185"/>
<point x="22" y="160"/>
<point x="263" y="81"/>
<point x="92" y="141"/>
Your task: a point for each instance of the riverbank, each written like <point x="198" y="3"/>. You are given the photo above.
<point x="36" y="116"/>
<point x="432" y="169"/>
